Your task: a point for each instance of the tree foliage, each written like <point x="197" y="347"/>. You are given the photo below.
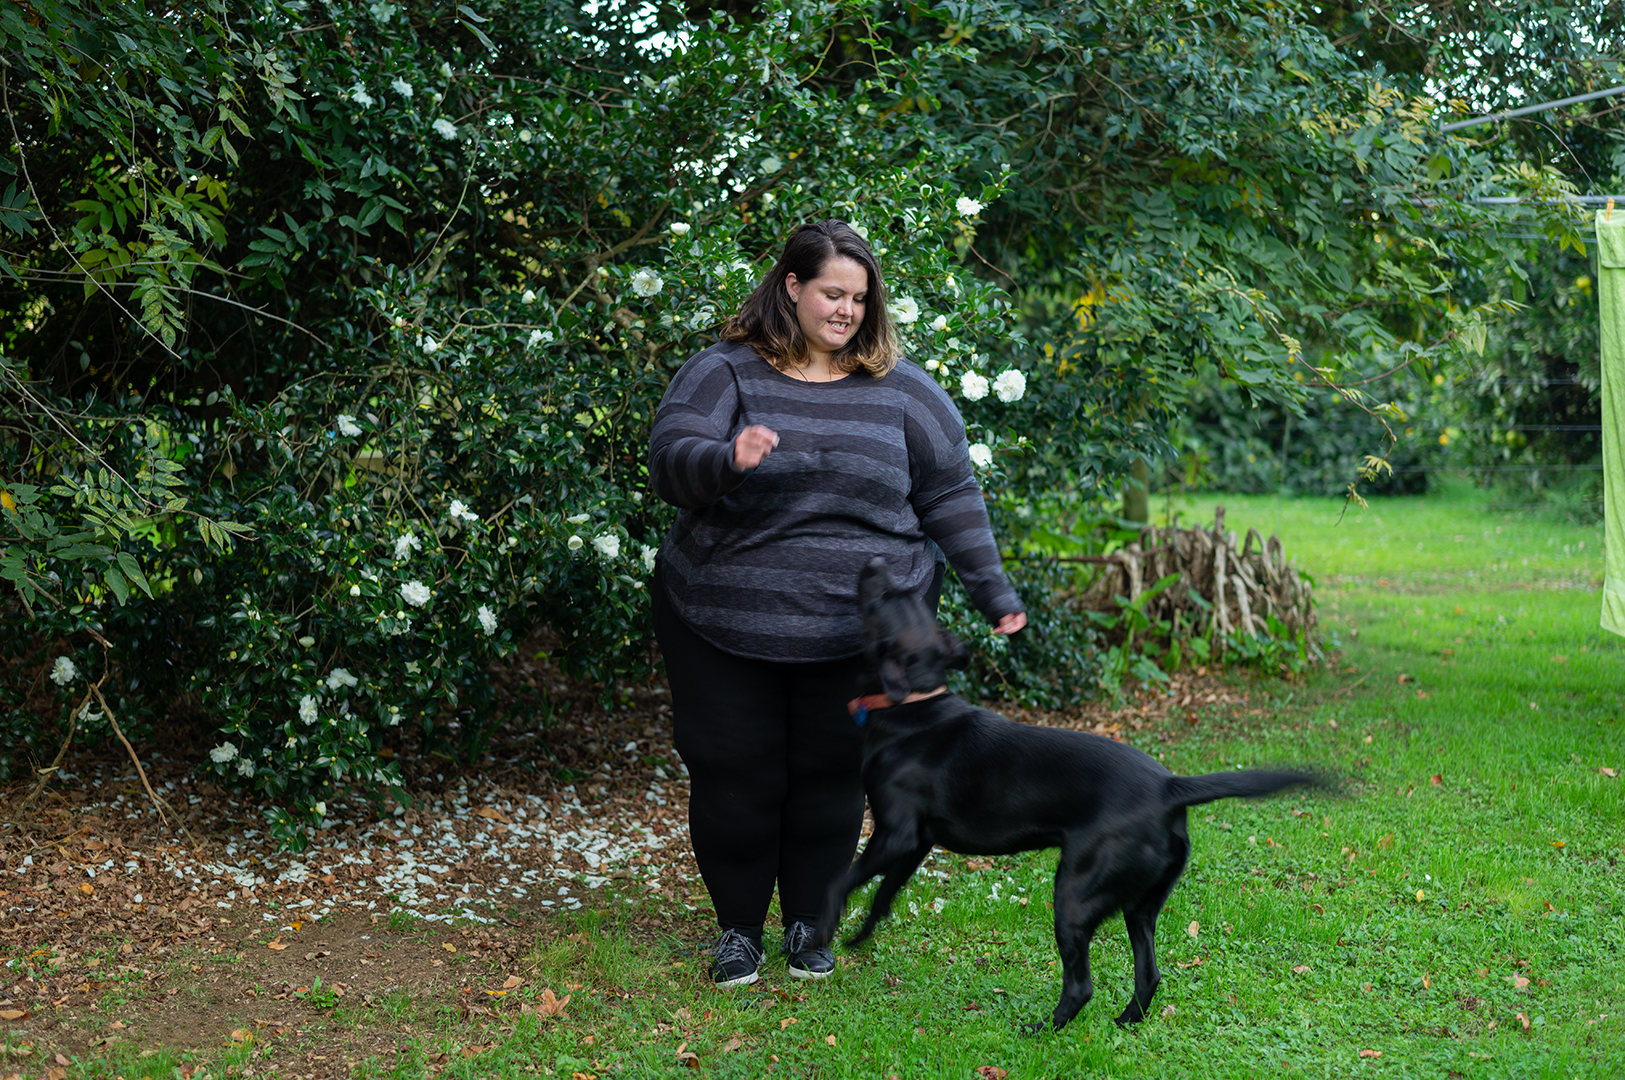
<point x="397" y="288"/>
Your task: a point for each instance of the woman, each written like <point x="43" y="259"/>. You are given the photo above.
<point x="798" y="448"/>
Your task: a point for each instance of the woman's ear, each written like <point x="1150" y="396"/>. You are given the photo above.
<point x="793" y="287"/>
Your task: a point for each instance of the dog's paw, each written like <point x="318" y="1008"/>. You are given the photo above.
<point x="1035" y="1027"/>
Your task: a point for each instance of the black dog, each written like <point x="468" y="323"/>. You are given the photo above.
<point x="939" y="770"/>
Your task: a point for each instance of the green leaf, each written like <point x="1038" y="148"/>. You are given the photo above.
<point x="116" y="582"/>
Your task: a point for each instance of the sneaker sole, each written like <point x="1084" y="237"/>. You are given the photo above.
<point x="743" y="980"/>
<point x="803" y="973"/>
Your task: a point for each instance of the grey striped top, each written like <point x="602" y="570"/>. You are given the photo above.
<point x="764" y="563"/>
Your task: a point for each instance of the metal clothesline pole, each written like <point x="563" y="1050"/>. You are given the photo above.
<point x="1490" y="118"/>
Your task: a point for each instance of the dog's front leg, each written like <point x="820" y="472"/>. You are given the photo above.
<point x="897" y="872"/>
<point x="884" y="849"/>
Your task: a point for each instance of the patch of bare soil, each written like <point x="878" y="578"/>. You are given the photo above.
<point x="118" y="938"/>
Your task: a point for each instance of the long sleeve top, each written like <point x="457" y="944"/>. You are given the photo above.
<point x="764" y="563"/>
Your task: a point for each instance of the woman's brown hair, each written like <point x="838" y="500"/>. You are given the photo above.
<point x="767" y="321"/>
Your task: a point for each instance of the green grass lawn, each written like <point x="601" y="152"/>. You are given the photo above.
<point x="1461" y="911"/>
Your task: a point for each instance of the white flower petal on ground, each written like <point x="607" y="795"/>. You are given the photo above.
<point x="981" y="455"/>
<point x="488" y="619"/>
<point x="648" y="553"/>
<point x="405" y="545"/>
<point x="339" y="677"/>
<point x="307" y="709"/>
<point x="608" y="545"/>
<point x="1010" y="385"/>
<point x="646" y="283"/>
<point x="402" y="87"/>
<point x="415" y="593"/>
<point x="907" y="309"/>
<point x="967" y="207"/>
<point x="575" y="543"/>
<point x="359" y="95"/>
<point x="973" y="386"/>
<point x="63" y="671"/>
<point x="347" y="425"/>
<point x="223" y="753"/>
<point x="444" y="128"/>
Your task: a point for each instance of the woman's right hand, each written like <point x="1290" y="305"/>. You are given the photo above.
<point x="752" y="445"/>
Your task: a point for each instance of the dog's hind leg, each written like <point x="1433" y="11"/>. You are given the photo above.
<point x="1140" y="917"/>
<point x="1081" y="904"/>
<point x="897" y="873"/>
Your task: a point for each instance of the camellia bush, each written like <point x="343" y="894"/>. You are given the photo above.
<point x="333" y="331"/>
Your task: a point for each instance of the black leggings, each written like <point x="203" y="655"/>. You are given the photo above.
<point x="774" y="763"/>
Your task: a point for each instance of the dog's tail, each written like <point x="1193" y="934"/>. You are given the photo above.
<point x="1196" y="790"/>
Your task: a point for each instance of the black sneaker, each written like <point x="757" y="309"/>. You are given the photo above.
<point x="735" y="959"/>
<point x="806" y="962"/>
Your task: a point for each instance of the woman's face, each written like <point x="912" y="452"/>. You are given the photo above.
<point x="830" y="307"/>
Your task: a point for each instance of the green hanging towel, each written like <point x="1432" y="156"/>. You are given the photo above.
<point x="1611" y="294"/>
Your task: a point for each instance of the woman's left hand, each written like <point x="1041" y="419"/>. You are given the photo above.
<point x="1012" y="622"/>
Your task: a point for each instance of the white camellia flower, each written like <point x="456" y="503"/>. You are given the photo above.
<point x="648" y="554"/>
<point x="967" y="207"/>
<point x="932" y="365"/>
<point x="538" y="337"/>
<point x="402" y="87"/>
<point x="445" y="69"/>
<point x="347" y="425"/>
<point x="528" y="297"/>
<point x="488" y="620"/>
<point x="223" y="753"/>
<point x="307" y="709"/>
<point x="245" y="767"/>
<point x="430" y="345"/>
<point x="772" y="164"/>
<point x="405" y="545"/>
<point x="907" y="309"/>
<point x="940" y="323"/>
<point x="415" y="593"/>
<point x="981" y="455"/>
<point x="339" y="677"/>
<point x="359" y="95"/>
<point x="460" y="512"/>
<point x="444" y="128"/>
<point x="321" y="808"/>
<point x="525" y="136"/>
<point x="1010" y="385"/>
<point x="574" y="543"/>
<point x="973" y="386"/>
<point x="861" y="229"/>
<point x="576" y="519"/>
<point x="608" y="545"/>
<point x="680" y="228"/>
<point x="646" y="283"/>
<point x="63" y="671"/>
<point x="355" y="590"/>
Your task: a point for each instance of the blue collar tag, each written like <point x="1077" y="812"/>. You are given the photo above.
<point x="861" y="717"/>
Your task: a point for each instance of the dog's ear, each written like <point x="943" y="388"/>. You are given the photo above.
<point x="955" y="655"/>
<point x="894" y="679"/>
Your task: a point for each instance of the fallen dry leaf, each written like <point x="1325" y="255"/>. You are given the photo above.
<point x="732" y="1044"/>
<point x="1519" y="982"/>
<point x="87" y="888"/>
<point x="1371" y="1053"/>
<point x="448" y="946"/>
<point x="551" y="1004"/>
<point x="685" y="1056"/>
<point x="1300" y="969"/>
<point x="1524" y="1020"/>
<point x="830" y="1039"/>
<point x="513" y="981"/>
<point x="1194" y="928"/>
<point x="1427" y="982"/>
<point x="1168" y="1010"/>
<point x="275" y="943"/>
<point x="57" y="1074"/>
<point x="990" y="1072"/>
<point x="1606" y="771"/>
<point x="1560" y="843"/>
<point x="1438" y="779"/>
<point x="787" y="1021"/>
<point x="1192" y="963"/>
<point x="13" y="1014"/>
<point x="494" y="815"/>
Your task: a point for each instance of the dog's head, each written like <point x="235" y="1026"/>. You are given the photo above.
<point x="903" y="647"/>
